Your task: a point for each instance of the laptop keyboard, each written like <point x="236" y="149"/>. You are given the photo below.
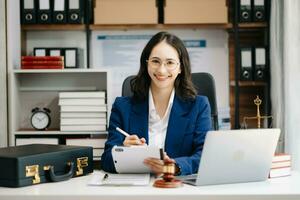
<point x="189" y="178"/>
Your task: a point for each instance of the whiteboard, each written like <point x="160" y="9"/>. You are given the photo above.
<point x="120" y="51"/>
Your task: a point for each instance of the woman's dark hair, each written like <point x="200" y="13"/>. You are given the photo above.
<point x="184" y="87"/>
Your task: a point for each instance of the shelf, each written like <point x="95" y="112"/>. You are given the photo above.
<point x="248" y="83"/>
<point x="56" y="89"/>
<point x="39" y="71"/>
<point x="53" y="27"/>
<point x="253" y="25"/>
<point x="76" y="27"/>
<point x="57" y="132"/>
<point x="159" y="26"/>
<point x="248" y="27"/>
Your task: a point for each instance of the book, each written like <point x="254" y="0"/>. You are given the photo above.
<point x="42" y="67"/>
<point x="85" y="121"/>
<point x="83" y="115"/>
<point x="280" y="172"/>
<point x="83" y="128"/>
<point x="44" y="63"/>
<point x="93" y="142"/>
<point x="96" y="158"/>
<point x="281" y="157"/>
<point x="81" y="101"/>
<point x="286" y="163"/>
<point x="24" y="141"/>
<point x="96" y="94"/>
<point x="102" y="108"/>
<point x="42" y="58"/>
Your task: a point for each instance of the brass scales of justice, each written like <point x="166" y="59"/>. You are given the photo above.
<point x="258" y="116"/>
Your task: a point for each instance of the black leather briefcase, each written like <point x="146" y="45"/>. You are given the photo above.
<point x="40" y="163"/>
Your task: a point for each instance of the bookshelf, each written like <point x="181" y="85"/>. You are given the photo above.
<point x="40" y="88"/>
<point x="242" y="93"/>
<point x="29" y="87"/>
<point x="93" y="27"/>
<point x="53" y="27"/>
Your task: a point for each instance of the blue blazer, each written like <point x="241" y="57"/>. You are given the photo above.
<point x="188" y="124"/>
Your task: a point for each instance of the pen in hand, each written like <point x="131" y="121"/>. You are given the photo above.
<point x="123" y="132"/>
<point x="131" y="139"/>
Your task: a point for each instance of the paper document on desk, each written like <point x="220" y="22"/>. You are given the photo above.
<point x="130" y="159"/>
<point x="119" y="179"/>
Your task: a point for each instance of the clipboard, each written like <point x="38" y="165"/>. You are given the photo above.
<point x="130" y="159"/>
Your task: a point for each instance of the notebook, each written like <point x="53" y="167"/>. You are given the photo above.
<point x="102" y="178"/>
<point x="235" y="156"/>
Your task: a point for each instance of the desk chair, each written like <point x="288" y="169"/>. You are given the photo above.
<point x="205" y="86"/>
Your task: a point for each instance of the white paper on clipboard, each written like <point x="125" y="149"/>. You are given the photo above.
<point x="130" y="159"/>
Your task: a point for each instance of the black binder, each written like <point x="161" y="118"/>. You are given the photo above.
<point x="56" y="52"/>
<point x="71" y="60"/>
<point x="44" y="12"/>
<point x="75" y="11"/>
<point x="259" y="10"/>
<point x="28" y="11"/>
<point x="246" y="64"/>
<point x="160" y="4"/>
<point x="245" y="10"/>
<point x="260" y="63"/>
<point x="70" y="54"/>
<point x="59" y="12"/>
<point x="41" y="51"/>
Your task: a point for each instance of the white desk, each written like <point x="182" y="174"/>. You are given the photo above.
<point x="287" y="188"/>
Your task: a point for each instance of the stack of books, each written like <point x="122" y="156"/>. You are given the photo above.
<point x="281" y="166"/>
<point x="42" y="62"/>
<point x="83" y="111"/>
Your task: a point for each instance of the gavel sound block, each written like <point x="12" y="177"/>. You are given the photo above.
<point x="168" y="180"/>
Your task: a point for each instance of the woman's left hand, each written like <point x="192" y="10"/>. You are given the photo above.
<point x="156" y="165"/>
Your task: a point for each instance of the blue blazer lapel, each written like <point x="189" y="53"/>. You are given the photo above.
<point x="176" y="127"/>
<point x="138" y="123"/>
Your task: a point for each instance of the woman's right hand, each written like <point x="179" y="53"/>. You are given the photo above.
<point x="134" y="140"/>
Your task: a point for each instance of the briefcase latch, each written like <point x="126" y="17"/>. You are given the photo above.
<point x="81" y="163"/>
<point x="33" y="171"/>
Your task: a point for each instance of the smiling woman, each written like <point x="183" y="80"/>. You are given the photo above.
<point x="164" y="110"/>
<point x="3" y="73"/>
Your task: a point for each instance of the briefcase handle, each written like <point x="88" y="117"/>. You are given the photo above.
<point x="63" y="177"/>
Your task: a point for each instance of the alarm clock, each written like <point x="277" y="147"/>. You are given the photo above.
<point x="40" y="118"/>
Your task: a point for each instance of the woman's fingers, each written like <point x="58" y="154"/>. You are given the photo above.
<point x="154" y="161"/>
<point x="155" y="165"/>
<point x="143" y="140"/>
<point x="133" y="140"/>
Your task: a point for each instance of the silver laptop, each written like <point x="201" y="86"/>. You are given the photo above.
<point x="235" y="156"/>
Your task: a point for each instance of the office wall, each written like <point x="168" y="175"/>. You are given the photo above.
<point x="3" y="75"/>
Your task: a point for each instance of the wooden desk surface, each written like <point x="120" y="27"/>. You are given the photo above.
<point x="287" y="188"/>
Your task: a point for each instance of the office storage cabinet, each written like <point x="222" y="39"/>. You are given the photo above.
<point x="249" y="35"/>
<point x="31" y="88"/>
<point x="41" y="88"/>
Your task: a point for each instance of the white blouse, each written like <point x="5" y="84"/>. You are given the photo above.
<point x="158" y="126"/>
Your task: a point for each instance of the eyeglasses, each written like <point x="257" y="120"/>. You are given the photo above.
<point x="170" y="64"/>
